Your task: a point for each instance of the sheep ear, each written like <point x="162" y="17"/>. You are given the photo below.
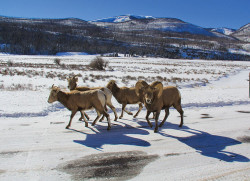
<point x="52" y="86"/>
<point x="158" y="87"/>
<point x="140" y="85"/>
<point x="58" y="89"/>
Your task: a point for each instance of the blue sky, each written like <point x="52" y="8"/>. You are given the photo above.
<point x="205" y="13"/>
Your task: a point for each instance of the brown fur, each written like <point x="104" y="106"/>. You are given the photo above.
<point x="80" y="101"/>
<point x="156" y="97"/>
<point x="72" y="85"/>
<point x="124" y="96"/>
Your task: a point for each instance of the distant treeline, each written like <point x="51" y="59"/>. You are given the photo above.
<point x="52" y="36"/>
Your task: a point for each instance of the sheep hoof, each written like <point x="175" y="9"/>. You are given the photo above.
<point x="93" y="124"/>
<point x="180" y="125"/>
<point x="115" y="119"/>
<point x="156" y="131"/>
<point x="120" y="117"/>
<point x="130" y="113"/>
<point x="86" y="124"/>
<point x="108" y="128"/>
<point x="67" y="127"/>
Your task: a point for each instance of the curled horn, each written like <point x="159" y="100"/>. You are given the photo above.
<point x="139" y="86"/>
<point x="158" y="86"/>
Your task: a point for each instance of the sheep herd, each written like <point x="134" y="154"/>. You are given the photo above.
<point x="155" y="97"/>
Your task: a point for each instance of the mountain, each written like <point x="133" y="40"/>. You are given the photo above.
<point x="142" y="23"/>
<point x="243" y="33"/>
<point x="127" y="34"/>
<point x="225" y="31"/>
<point x="122" y="18"/>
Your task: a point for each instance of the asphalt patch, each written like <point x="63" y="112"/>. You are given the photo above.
<point x="172" y="154"/>
<point x="8" y="154"/>
<point x="56" y="122"/>
<point x="24" y="124"/>
<point x="2" y="172"/>
<point x="247" y="112"/>
<point x="244" y="139"/>
<point x="206" y="116"/>
<point x="108" y="166"/>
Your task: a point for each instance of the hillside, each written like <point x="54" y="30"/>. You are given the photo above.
<point x="131" y="35"/>
<point x="135" y="23"/>
<point x="243" y="33"/>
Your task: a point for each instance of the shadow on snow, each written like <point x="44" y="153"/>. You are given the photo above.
<point x="118" y="135"/>
<point x="207" y="144"/>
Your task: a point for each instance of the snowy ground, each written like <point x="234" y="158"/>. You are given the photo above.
<point x="213" y="144"/>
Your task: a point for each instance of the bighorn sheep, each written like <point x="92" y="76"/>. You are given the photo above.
<point x="80" y="101"/>
<point x="72" y="85"/>
<point x="124" y="96"/>
<point x="156" y="97"/>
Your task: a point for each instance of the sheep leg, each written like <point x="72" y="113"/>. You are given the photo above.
<point x="179" y="109"/>
<point x="113" y="109"/>
<point x="86" y="122"/>
<point x="123" y="109"/>
<point x="140" y="108"/>
<point x="128" y="112"/>
<point x="86" y="115"/>
<point x="166" y="116"/>
<point x="103" y="115"/>
<point x="156" y="121"/>
<point x="83" y="116"/>
<point x="97" y="117"/>
<point x="108" y="119"/>
<point x="73" y="112"/>
<point x="148" y="113"/>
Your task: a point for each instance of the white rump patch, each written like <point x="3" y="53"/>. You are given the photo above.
<point x="101" y="97"/>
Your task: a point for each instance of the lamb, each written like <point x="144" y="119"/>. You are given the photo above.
<point x="156" y="97"/>
<point x="124" y="96"/>
<point x="80" y="101"/>
<point x="72" y="85"/>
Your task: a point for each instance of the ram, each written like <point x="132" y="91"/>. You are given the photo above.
<point x="72" y="85"/>
<point x="80" y="101"/>
<point x="156" y="97"/>
<point x="124" y="96"/>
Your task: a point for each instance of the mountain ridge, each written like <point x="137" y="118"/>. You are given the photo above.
<point x="142" y="35"/>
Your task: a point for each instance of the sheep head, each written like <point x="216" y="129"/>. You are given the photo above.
<point x="149" y="92"/>
<point x="140" y="86"/>
<point x="111" y="85"/>
<point x="72" y="82"/>
<point x="53" y="94"/>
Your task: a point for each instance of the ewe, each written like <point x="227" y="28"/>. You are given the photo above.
<point x="124" y="96"/>
<point x="72" y="85"/>
<point x="80" y="101"/>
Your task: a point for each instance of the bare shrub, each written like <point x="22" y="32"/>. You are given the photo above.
<point x="57" y="61"/>
<point x="98" y="63"/>
<point x="10" y="63"/>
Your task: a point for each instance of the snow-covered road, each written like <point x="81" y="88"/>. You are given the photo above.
<point x="213" y="144"/>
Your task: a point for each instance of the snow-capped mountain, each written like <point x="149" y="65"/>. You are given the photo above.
<point x="128" y="34"/>
<point x="225" y="31"/>
<point x="122" y="18"/>
<point x="136" y="23"/>
<point x="243" y="33"/>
